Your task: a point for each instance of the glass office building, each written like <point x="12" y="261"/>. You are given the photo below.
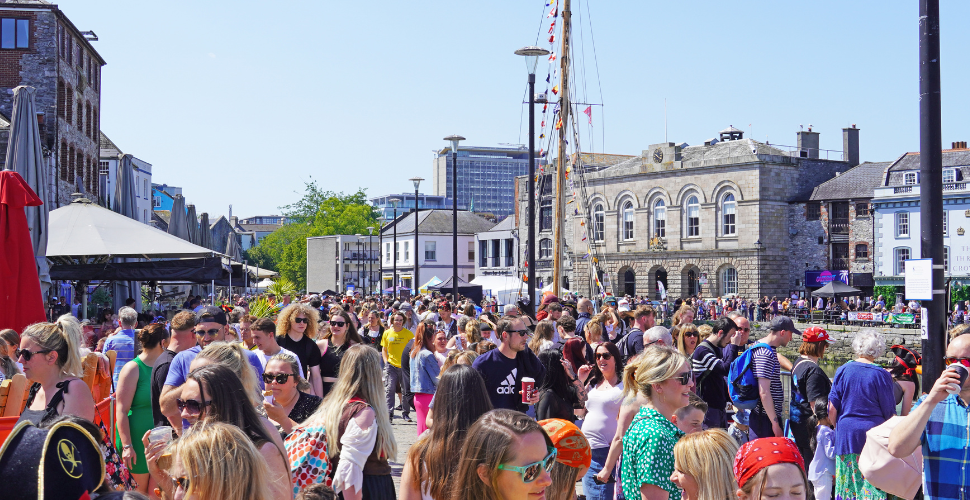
<point x="486" y="177"/>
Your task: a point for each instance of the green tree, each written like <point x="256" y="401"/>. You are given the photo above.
<point x="317" y="213"/>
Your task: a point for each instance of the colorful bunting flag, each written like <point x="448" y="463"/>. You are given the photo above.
<point x="552" y="38"/>
<point x="559" y="125"/>
<point x="589" y="112"/>
<point x="552" y="57"/>
<point x="554" y="12"/>
<point x="555" y="90"/>
<point x="552" y="26"/>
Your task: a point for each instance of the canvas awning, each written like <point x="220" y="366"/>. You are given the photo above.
<point x="836" y="288"/>
<point x="201" y="270"/>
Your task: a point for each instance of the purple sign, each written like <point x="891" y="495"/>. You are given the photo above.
<point x="815" y="279"/>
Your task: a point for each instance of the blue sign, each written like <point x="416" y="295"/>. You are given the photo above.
<point x="815" y="279"/>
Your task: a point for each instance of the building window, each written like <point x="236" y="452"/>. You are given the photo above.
<point x="660" y="219"/>
<point x="946" y="222"/>
<point x="901" y="255"/>
<point x="729" y="281"/>
<point x="407" y="254"/>
<point x="902" y="224"/>
<point x="909" y="178"/>
<point x="545" y="214"/>
<point x="861" y="210"/>
<point x="397" y="252"/>
<point x="14" y="33"/>
<point x="509" y="253"/>
<point x="628" y="220"/>
<point x="471" y="251"/>
<point x="545" y="248"/>
<point x="156" y="201"/>
<point x="693" y="217"/>
<point x="729" y="210"/>
<point x="949" y="175"/>
<point x="482" y="253"/>
<point x="103" y="167"/>
<point x="430" y="250"/>
<point x="598" y="222"/>
<point x="862" y="251"/>
<point x="814" y="211"/>
<point x="946" y="259"/>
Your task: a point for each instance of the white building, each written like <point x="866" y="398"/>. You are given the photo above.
<point x="108" y="171"/>
<point x="342" y="261"/>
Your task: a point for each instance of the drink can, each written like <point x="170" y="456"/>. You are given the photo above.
<point x="528" y="386"/>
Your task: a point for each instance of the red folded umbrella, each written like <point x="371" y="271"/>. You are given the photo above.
<point x="21" y="302"/>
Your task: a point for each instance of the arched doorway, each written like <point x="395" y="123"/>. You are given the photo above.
<point x="660" y="284"/>
<point x="565" y="282"/>
<point x="627" y="280"/>
<point x="692" y="280"/>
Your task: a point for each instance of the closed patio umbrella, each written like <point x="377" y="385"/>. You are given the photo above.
<point x="205" y="232"/>
<point x="232" y="247"/>
<point x="25" y="156"/>
<point x="125" y="203"/>
<point x="192" y="221"/>
<point x="177" y="225"/>
<point x="20" y="300"/>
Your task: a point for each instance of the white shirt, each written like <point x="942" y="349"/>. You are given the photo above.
<point x="263" y="358"/>
<point x="603" y="407"/>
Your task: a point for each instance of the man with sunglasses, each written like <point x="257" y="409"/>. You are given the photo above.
<point x="211" y="326"/>
<point x="264" y="336"/>
<point x="504" y="367"/>
<point x="940" y="423"/>
<point x="710" y="365"/>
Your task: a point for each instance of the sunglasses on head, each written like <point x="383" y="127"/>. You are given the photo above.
<point x="192" y="405"/>
<point x="949" y="361"/>
<point x="24" y="353"/>
<point x="684" y="378"/>
<point x="301" y="320"/>
<point x="279" y="378"/>
<point x="208" y="333"/>
<point x="604" y="355"/>
<point x="532" y="471"/>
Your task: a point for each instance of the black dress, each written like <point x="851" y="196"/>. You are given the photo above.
<point x="330" y="363"/>
<point x="305" y="405"/>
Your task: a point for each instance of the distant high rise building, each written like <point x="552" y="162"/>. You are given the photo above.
<point x="485" y="175"/>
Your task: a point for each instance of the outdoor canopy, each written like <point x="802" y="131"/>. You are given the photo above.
<point x="465" y="288"/>
<point x="836" y="288"/>
<point x="201" y="270"/>
<point x="505" y="289"/>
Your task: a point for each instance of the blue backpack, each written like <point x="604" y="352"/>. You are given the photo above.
<point x="742" y="384"/>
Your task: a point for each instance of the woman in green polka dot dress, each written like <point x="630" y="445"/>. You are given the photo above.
<point x="662" y="375"/>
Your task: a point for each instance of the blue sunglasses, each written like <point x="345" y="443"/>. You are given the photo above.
<point x="531" y="471"/>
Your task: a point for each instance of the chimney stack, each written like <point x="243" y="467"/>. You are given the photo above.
<point x="960" y="145"/>
<point x="850" y="145"/>
<point x="807" y="143"/>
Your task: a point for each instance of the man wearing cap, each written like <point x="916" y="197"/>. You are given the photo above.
<point x="765" y="418"/>
<point x="810" y="383"/>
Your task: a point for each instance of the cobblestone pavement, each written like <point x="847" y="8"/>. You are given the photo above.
<point x="406" y="434"/>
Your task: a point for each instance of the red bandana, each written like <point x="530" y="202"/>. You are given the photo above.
<point x="760" y="453"/>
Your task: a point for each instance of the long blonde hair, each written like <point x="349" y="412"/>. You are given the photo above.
<point x="360" y="376"/>
<point x="709" y="457"/>
<point x="654" y="365"/>
<point x="682" y="331"/>
<point x="62" y="337"/>
<point x="285" y="319"/>
<point x="231" y="355"/>
<point x="222" y="462"/>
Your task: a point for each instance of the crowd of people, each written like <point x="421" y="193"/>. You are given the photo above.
<point x="213" y="402"/>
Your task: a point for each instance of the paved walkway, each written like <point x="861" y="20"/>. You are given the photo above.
<point x="405" y="434"/>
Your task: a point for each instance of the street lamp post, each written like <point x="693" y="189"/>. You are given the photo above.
<point x="532" y="55"/>
<point x="363" y="264"/>
<point x="357" y="259"/>
<point x="454" y="139"/>
<point x="370" y="258"/>
<point x="417" y="253"/>
<point x="394" y="201"/>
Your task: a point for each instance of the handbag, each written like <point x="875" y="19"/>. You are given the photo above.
<point x="898" y="476"/>
<point x="306" y="450"/>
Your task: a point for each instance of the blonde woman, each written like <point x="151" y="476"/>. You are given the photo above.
<point x="296" y="329"/>
<point x="471" y="334"/>
<point x="51" y="357"/>
<point x="542" y="338"/>
<point x="358" y="428"/>
<point x="216" y="460"/>
<point x="703" y="465"/>
<point x="688" y="335"/>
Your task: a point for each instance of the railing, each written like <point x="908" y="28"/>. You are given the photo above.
<point x="956" y="186"/>
<point x="543" y="264"/>
<point x="839" y="226"/>
<point x="902" y="189"/>
<point x="839" y="263"/>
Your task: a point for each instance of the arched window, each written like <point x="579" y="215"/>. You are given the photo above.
<point x="693" y="217"/>
<point x="729" y="209"/>
<point x="729" y="281"/>
<point x="628" y="220"/>
<point x="660" y="219"/>
<point x="599" y="221"/>
<point x="545" y="248"/>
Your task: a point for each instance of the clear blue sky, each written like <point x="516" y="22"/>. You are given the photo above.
<point x="239" y="102"/>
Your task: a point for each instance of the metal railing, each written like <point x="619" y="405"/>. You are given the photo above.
<point x="839" y="227"/>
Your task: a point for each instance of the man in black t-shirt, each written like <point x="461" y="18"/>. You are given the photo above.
<point x="710" y="365"/>
<point x="182" y="338"/>
<point x="306" y="349"/>
<point x="503" y="368"/>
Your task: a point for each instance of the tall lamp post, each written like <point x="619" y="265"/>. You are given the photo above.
<point x="362" y="244"/>
<point x="370" y="258"/>
<point x="417" y="253"/>
<point x="358" y="261"/>
<point x="394" y="201"/>
<point x="454" y="139"/>
<point x="532" y="55"/>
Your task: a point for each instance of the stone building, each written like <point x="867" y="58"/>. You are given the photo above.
<point x="710" y="219"/>
<point x="41" y="47"/>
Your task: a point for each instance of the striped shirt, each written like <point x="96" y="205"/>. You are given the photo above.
<point x="765" y="365"/>
<point x="946" y="450"/>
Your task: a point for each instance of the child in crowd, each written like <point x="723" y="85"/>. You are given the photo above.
<point x="691" y="417"/>
<point x="739" y="429"/>
<point x="821" y="472"/>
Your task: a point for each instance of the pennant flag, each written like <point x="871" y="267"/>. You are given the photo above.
<point x="559" y="125"/>
<point x="577" y="213"/>
<point x="552" y="38"/>
<point x="552" y="26"/>
<point x="542" y="136"/>
<point x="584" y="238"/>
<point x="544" y="106"/>
<point x="582" y="222"/>
<point x="540" y="152"/>
<point x="543" y="125"/>
<point x="589" y="112"/>
<point x="555" y="90"/>
<point x="586" y="256"/>
<point x="547" y="78"/>
<point x="554" y="12"/>
<point x="552" y="57"/>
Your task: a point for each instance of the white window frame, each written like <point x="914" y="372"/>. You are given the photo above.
<point x="660" y="219"/>
<point x="900" y="256"/>
<point x="729" y="281"/>
<point x="946" y="223"/>
<point x="545" y="248"/>
<point x="901" y="220"/>
<point x="627" y="220"/>
<point x="430" y="251"/>
<point x="692" y="211"/>
<point x="946" y="259"/>
<point x="910" y="178"/>
<point x="952" y="173"/>
<point x="599" y="222"/>
<point x="407" y="253"/>
<point x="729" y="215"/>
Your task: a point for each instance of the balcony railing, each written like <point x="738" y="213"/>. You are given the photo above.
<point x="839" y="263"/>
<point x="902" y="189"/>
<point x="839" y="227"/>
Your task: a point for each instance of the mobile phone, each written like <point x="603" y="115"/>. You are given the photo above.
<point x="612" y="479"/>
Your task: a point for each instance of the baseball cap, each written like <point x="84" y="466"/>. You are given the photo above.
<point x="815" y="334"/>
<point x="213" y="314"/>
<point x="406" y="306"/>
<point x="623" y="305"/>
<point x="779" y="323"/>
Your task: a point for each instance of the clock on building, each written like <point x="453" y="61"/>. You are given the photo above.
<point x="658" y="156"/>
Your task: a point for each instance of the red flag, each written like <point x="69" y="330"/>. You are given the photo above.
<point x="552" y="38"/>
<point x="559" y="124"/>
<point x="589" y="112"/>
<point x="552" y="26"/>
<point x="552" y="57"/>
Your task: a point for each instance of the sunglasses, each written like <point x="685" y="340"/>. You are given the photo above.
<point x="691" y="334"/>
<point x="524" y="333"/>
<point x="532" y="471"/>
<point x="24" y="353"/>
<point x="949" y="361"/>
<point x="180" y="482"/>
<point x="208" y="333"/>
<point x="301" y="320"/>
<point x="604" y="355"/>
<point x="338" y="323"/>
<point x="279" y="378"/>
<point x="684" y="378"/>
<point x="193" y="405"/>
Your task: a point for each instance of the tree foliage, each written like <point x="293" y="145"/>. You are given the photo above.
<point x="317" y="213"/>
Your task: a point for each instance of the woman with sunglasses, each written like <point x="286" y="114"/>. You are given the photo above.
<point x="506" y="455"/>
<point x="290" y="404"/>
<point x="341" y="336"/>
<point x="604" y="398"/>
<point x="214" y="393"/>
<point x="662" y="376"/>
<point x="133" y="410"/>
<point x="296" y="328"/>
<point x="687" y="336"/>
<point x="51" y="357"/>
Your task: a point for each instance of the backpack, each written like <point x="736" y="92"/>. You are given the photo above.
<point x="626" y="351"/>
<point x="743" y="385"/>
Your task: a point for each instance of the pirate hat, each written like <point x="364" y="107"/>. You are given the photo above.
<point x="60" y="463"/>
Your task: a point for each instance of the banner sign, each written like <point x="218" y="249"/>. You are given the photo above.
<point x="815" y="279"/>
<point x="865" y="316"/>
<point x="901" y="319"/>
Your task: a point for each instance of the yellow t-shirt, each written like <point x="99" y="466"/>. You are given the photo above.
<point x="394" y="343"/>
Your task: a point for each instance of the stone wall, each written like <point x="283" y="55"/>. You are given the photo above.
<point x="805" y="251"/>
<point x="840" y="348"/>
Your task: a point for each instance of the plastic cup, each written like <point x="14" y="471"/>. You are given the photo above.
<point x="163" y="433"/>
<point x="528" y="386"/>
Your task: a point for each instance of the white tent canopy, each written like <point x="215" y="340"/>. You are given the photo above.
<point x="548" y="288"/>
<point x="84" y="229"/>
<point x="265" y="283"/>
<point x="505" y="289"/>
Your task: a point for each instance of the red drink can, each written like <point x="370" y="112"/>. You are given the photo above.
<point x="528" y="386"/>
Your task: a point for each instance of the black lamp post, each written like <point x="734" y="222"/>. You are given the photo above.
<point x="362" y="245"/>
<point x="531" y="55"/>
<point x="417" y="253"/>
<point x="394" y="201"/>
<point x="358" y="260"/>
<point x="454" y="139"/>
<point x="370" y="258"/>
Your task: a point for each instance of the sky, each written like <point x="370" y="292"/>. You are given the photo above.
<point x="240" y="103"/>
